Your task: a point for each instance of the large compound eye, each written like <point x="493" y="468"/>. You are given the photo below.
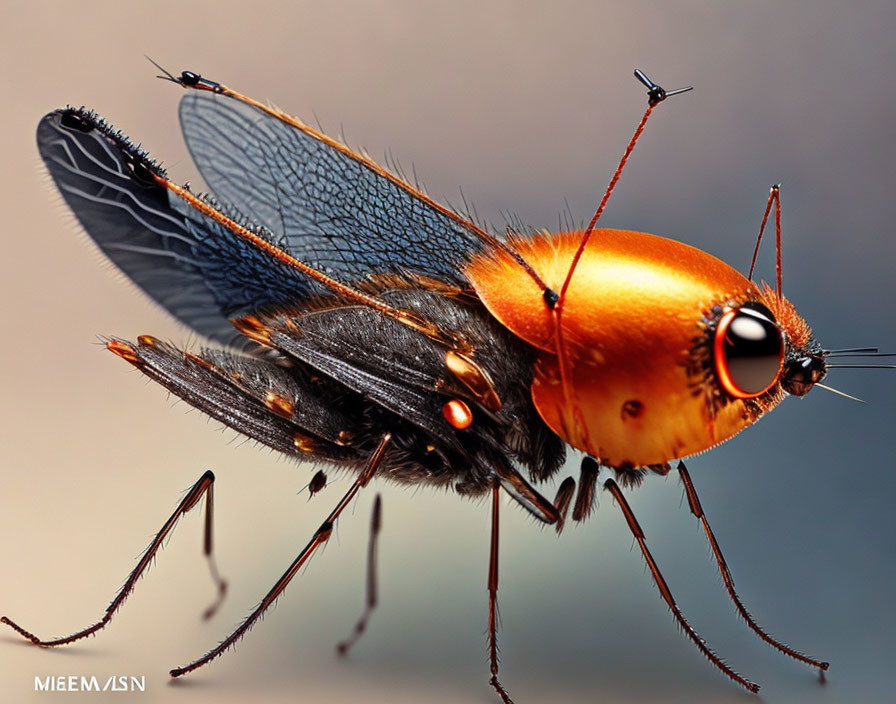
<point x="749" y="352"/>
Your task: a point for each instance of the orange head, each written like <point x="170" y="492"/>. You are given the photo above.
<point x="667" y="350"/>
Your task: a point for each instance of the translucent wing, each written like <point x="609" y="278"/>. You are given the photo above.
<point x="333" y="210"/>
<point x="195" y="268"/>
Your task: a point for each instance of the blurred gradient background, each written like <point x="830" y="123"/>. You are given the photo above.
<point x="522" y="105"/>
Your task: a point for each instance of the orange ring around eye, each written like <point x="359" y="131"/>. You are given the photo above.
<point x="721" y="362"/>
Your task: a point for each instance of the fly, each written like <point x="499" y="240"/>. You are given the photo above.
<point x="360" y="323"/>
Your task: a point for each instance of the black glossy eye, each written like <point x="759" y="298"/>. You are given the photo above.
<point x="749" y="352"/>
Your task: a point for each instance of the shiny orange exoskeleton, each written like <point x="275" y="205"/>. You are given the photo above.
<point x="635" y="314"/>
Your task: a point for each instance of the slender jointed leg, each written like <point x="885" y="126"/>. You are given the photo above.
<point x="493" y="599"/>
<point x="376" y="523"/>
<point x="697" y="510"/>
<point x="209" y="556"/>
<point x="203" y="486"/>
<point x="587" y="496"/>
<point x="613" y="488"/>
<point x="320" y="537"/>
<point x="562" y="501"/>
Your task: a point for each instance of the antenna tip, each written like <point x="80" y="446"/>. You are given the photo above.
<point x="655" y="93"/>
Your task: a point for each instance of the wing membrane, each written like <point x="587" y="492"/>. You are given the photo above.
<point x="333" y="209"/>
<point x="194" y="267"/>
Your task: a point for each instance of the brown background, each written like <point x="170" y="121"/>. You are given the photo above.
<point x="523" y="105"/>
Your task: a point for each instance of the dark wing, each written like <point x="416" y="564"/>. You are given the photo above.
<point x="335" y="209"/>
<point x="195" y="268"/>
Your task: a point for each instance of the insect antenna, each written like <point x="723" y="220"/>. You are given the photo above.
<point x="849" y="351"/>
<point x="838" y="392"/>
<point x="863" y="354"/>
<point x="168" y="75"/>
<point x="655" y="95"/>
<point x="861" y="366"/>
<point x="774" y="196"/>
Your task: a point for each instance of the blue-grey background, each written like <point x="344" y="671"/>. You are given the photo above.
<point x="522" y="105"/>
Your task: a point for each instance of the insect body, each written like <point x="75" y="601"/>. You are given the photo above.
<point x="365" y="325"/>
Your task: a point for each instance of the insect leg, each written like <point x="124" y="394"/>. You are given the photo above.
<point x="376" y="523"/>
<point x="320" y="537"/>
<point x="493" y="599"/>
<point x="203" y="486"/>
<point x="562" y="501"/>
<point x="613" y="488"/>
<point x="697" y="510"/>
<point x="209" y="556"/>
<point x="586" y="497"/>
<point x="523" y="492"/>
